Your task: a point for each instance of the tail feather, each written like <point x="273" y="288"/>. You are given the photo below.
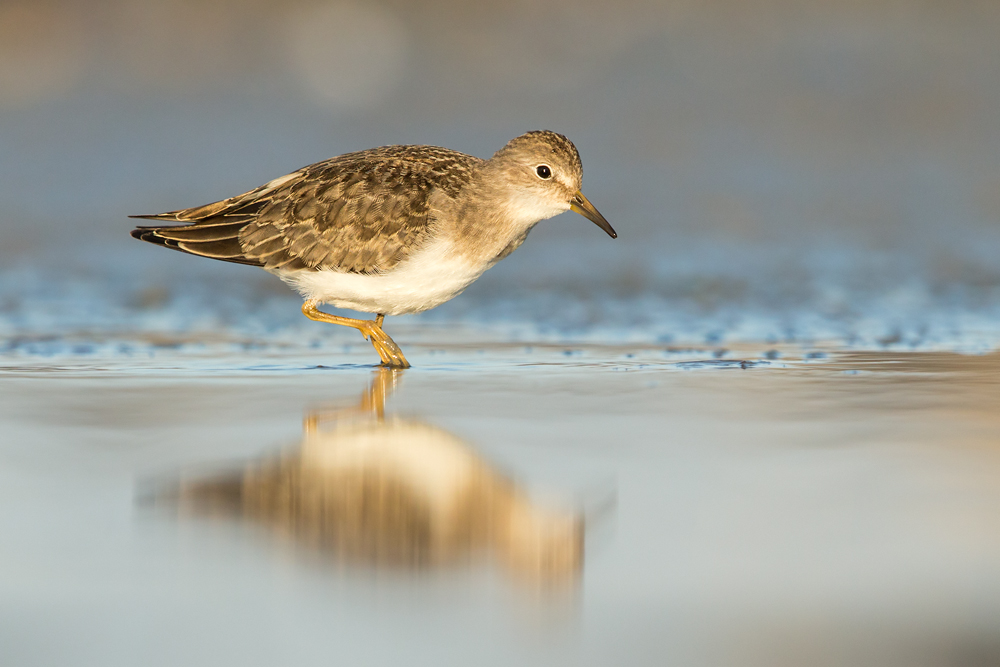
<point x="227" y="249"/>
<point x="240" y="207"/>
<point x="203" y="232"/>
<point x="215" y="241"/>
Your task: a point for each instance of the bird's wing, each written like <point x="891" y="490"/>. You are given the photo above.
<point x="360" y="212"/>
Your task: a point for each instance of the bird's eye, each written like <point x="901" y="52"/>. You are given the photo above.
<point x="543" y="171"/>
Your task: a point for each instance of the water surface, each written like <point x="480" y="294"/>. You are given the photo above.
<point x="501" y="505"/>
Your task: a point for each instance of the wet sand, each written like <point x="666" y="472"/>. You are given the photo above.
<point x="500" y="504"/>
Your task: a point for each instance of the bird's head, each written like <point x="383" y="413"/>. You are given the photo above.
<point x="545" y="171"/>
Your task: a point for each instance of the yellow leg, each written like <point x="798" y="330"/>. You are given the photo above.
<point x="383" y="384"/>
<point x="372" y="402"/>
<point x="387" y="349"/>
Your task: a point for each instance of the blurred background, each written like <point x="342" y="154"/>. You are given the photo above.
<point x="776" y="170"/>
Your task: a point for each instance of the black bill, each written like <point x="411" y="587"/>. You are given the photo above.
<point x="580" y="205"/>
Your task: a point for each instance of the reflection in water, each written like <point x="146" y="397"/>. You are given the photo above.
<point x="391" y="492"/>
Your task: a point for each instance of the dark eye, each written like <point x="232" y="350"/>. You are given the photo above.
<point x="543" y="171"/>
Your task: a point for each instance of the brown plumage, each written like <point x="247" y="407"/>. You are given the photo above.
<point x="391" y="230"/>
<point x="360" y="212"/>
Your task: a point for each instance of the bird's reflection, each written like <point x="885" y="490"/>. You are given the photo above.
<point x="389" y="492"/>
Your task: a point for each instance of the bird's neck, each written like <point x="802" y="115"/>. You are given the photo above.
<point x="493" y="219"/>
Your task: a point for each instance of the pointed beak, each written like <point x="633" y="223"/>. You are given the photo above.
<point x="580" y="205"/>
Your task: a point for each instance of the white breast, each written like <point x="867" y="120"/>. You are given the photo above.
<point x="426" y="279"/>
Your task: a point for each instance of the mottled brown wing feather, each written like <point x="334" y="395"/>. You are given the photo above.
<point x="360" y="212"/>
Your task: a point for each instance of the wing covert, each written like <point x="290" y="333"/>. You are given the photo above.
<point x="362" y="212"/>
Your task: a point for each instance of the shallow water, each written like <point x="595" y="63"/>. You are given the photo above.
<point x="740" y="434"/>
<point x="500" y="504"/>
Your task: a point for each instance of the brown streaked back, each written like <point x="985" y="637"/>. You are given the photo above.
<point x="360" y="212"/>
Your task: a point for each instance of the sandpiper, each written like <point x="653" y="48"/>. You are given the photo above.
<point x="389" y="231"/>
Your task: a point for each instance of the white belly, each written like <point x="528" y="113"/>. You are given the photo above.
<point x="425" y="280"/>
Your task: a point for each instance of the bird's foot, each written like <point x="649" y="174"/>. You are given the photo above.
<point x="392" y="356"/>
